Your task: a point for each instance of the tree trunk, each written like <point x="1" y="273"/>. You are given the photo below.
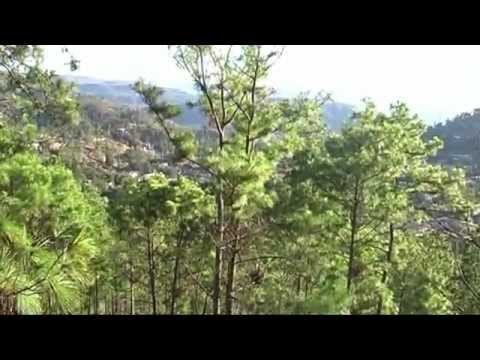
<point x="89" y="300"/>
<point x="384" y="275"/>
<point x="132" y="292"/>
<point x="194" y="302"/>
<point x="49" y="306"/>
<point x="176" y="268"/>
<point x="218" y="252"/>
<point x="151" y="272"/>
<point x="400" y="300"/>
<point x="306" y="288"/>
<point x="230" y="278"/>
<point x="205" y="305"/>
<point x="402" y="293"/>
<point x="111" y="303"/>
<point x="96" y="297"/>
<point x="116" y="302"/>
<point x="216" y="281"/>
<point x="353" y="234"/>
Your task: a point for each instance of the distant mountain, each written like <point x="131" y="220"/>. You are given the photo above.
<point x="120" y="92"/>
<point x="336" y="114"/>
<point x="461" y="141"/>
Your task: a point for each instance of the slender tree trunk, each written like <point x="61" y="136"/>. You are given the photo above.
<point x="96" y="296"/>
<point x="205" y="305"/>
<point x="218" y="252"/>
<point x="176" y="268"/>
<point x="132" y="292"/>
<point x="194" y="302"/>
<point x="151" y="272"/>
<point x="116" y="302"/>
<point x="400" y="302"/>
<point x="306" y="288"/>
<point x="49" y="307"/>
<point x="230" y="278"/>
<point x="384" y="274"/>
<point x="216" y="281"/>
<point x="353" y="234"/>
<point x="89" y="300"/>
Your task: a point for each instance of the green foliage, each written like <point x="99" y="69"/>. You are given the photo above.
<point x="349" y="191"/>
<point x="13" y="141"/>
<point x="50" y="228"/>
<point x="167" y="217"/>
<point x="32" y="93"/>
<point x="290" y="219"/>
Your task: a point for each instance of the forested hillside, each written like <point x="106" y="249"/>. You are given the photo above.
<point x="115" y="206"/>
<point x="121" y="93"/>
<point x="461" y="139"/>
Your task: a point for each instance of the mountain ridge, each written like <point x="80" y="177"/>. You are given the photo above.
<point x="121" y="92"/>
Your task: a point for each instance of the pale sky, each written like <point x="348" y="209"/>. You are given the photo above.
<point x="437" y="82"/>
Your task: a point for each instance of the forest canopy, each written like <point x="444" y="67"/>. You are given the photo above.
<point x="111" y="209"/>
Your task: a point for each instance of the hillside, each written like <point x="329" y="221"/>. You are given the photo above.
<point x="460" y="135"/>
<point x="120" y="92"/>
<point x="112" y="142"/>
<point x="461" y="141"/>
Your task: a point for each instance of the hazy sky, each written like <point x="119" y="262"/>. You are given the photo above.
<point x="437" y="82"/>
